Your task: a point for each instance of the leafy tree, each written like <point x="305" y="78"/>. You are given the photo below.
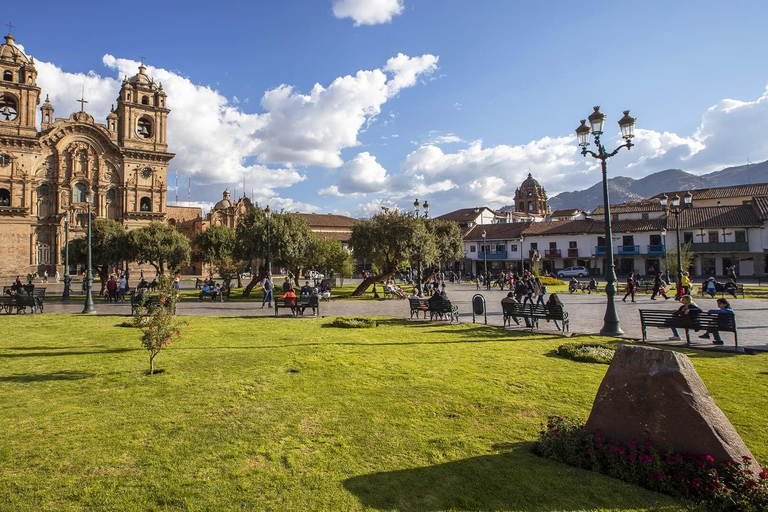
<point x="216" y="246"/>
<point x="157" y="321"/>
<point x="686" y="257"/>
<point x="159" y="245"/>
<point x="425" y="252"/>
<point x="388" y="239"/>
<point x="109" y="241"/>
<point x="290" y="241"/>
<point x="448" y="238"/>
<point x="330" y="257"/>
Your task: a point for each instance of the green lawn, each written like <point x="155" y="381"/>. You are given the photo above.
<point x="285" y="414"/>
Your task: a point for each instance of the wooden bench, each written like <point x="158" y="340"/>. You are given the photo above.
<point x="720" y="288"/>
<point x="6" y="303"/>
<point x="417" y="306"/>
<point x="534" y="313"/>
<point x="695" y="320"/>
<point x="212" y="295"/>
<point x="298" y="304"/>
<point x="442" y="310"/>
<point x="21" y="302"/>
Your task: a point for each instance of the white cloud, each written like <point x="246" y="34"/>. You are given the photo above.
<point x="361" y="175"/>
<point x="366" y="210"/>
<point x="367" y="12"/>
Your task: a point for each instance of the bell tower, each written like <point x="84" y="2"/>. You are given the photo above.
<point x="19" y="93"/>
<point x="142" y="116"/>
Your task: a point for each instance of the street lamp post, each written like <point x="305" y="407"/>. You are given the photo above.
<point x="65" y="295"/>
<point x="268" y="215"/>
<point x="485" y="263"/>
<point x="673" y="206"/>
<point x="88" y="307"/>
<point x="627" y="124"/>
<point x="522" y="265"/>
<point x="416" y="207"/>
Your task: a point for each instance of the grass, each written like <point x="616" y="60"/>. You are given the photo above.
<point x="284" y="414"/>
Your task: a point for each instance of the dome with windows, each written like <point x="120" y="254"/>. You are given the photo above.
<point x="140" y="78"/>
<point x="224" y="203"/>
<point x="530" y="197"/>
<point x="10" y="53"/>
<point x="530" y="182"/>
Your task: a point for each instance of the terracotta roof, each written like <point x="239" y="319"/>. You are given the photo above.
<point x="643" y="206"/>
<point x="565" y="213"/>
<point x="328" y="220"/>
<point x="559" y="227"/>
<point x="631" y="225"/>
<point x="510" y="231"/>
<point x="760" y="204"/>
<point x="333" y="235"/>
<point x="465" y="214"/>
<point x="757" y="189"/>
<point x="717" y="217"/>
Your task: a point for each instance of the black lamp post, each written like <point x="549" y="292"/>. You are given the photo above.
<point x="268" y="215"/>
<point x="673" y="206"/>
<point x="485" y="263"/>
<point x="65" y="295"/>
<point x="522" y="265"/>
<point x="416" y="205"/>
<point x="627" y="125"/>
<point x="88" y="307"/>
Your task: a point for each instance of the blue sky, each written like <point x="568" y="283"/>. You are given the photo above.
<point x="488" y="90"/>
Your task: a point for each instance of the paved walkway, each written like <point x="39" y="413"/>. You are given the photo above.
<point x="586" y="312"/>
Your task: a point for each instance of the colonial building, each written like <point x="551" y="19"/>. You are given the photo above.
<point x="531" y="198"/>
<point x="46" y="172"/>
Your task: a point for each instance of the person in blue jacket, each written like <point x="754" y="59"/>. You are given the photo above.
<point x="723" y="308"/>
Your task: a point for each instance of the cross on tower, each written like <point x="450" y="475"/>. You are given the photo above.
<point x="141" y="59"/>
<point x="10" y="26"/>
<point x="82" y="101"/>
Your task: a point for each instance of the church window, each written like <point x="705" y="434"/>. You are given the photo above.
<point x="144" y="100"/>
<point x="146" y="204"/>
<point x="5" y="197"/>
<point x="44" y="190"/>
<point x="128" y="96"/>
<point x="530" y="206"/>
<point x="8" y="76"/>
<point x="144" y="128"/>
<point x="4" y="160"/>
<point x="111" y="194"/>
<point x="8" y="108"/>
<point x="80" y="192"/>
<point x="47" y="118"/>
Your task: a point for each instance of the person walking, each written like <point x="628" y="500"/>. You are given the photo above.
<point x="267" y="285"/>
<point x="659" y="287"/>
<point x="723" y="308"/>
<point x="631" y="287"/>
<point x="58" y="276"/>
<point x="685" y="283"/>
<point x="122" y="289"/>
<point x="541" y="291"/>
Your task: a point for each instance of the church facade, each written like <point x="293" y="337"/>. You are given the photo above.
<point x="47" y="172"/>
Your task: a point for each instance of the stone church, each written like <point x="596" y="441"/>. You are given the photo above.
<point x="46" y="172"/>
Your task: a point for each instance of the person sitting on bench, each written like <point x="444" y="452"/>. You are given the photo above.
<point x="554" y="301"/>
<point x="710" y="287"/>
<point x="730" y="287"/>
<point x="290" y="299"/>
<point x="723" y="308"/>
<point x="205" y="291"/>
<point x="684" y="311"/>
<point x="510" y="299"/>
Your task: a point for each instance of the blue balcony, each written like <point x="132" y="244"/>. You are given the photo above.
<point x="629" y="249"/>
<point x="656" y="249"/>
<point x="600" y="249"/>
<point x="493" y="255"/>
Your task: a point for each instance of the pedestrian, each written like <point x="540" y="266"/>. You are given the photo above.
<point x="477" y="282"/>
<point x="58" y="276"/>
<point x="45" y="276"/>
<point x="631" y="287"/>
<point x="685" y="284"/>
<point x="541" y="291"/>
<point x="122" y="289"/>
<point x="659" y="287"/>
<point x="723" y="308"/>
<point x="266" y="286"/>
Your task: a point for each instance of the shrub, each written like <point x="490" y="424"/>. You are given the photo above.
<point x="354" y="323"/>
<point x="587" y="352"/>
<point x="550" y="281"/>
<point x="725" y="487"/>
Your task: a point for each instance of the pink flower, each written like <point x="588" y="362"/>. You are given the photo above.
<point x="631" y="456"/>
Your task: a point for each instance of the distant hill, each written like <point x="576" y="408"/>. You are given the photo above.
<point x="621" y="189"/>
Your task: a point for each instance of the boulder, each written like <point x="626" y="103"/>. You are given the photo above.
<point x="655" y="394"/>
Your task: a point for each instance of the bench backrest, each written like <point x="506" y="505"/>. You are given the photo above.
<point x="418" y="303"/>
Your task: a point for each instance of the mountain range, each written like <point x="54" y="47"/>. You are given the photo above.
<point x="622" y="189"/>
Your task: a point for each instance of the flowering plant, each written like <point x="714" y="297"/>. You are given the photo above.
<point x="694" y="477"/>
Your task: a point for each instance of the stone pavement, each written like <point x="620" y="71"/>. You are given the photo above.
<point x="586" y="312"/>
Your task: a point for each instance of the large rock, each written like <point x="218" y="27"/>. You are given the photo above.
<point x="656" y="394"/>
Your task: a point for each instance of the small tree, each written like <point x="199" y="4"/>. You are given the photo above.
<point x="686" y="257"/>
<point x="161" y="246"/>
<point x="157" y="322"/>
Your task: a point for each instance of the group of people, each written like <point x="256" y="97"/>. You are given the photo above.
<point x="552" y="302"/>
<point x="689" y="308"/>
<point x="574" y="286"/>
<point x="322" y="291"/>
<point x="438" y="296"/>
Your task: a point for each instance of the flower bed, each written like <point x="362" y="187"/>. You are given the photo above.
<point x="589" y="352"/>
<point x="354" y="323"/>
<point x="725" y="487"/>
<point x="550" y="281"/>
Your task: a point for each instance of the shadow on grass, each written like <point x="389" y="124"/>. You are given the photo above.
<point x="512" y="480"/>
<point x="69" y="353"/>
<point x="41" y="377"/>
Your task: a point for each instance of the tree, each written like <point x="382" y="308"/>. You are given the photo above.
<point x="330" y="257"/>
<point x="448" y="238"/>
<point x="424" y="251"/>
<point x="386" y="238"/>
<point x="157" y="322"/>
<point x="161" y="246"/>
<point x="109" y="241"/>
<point x="216" y="246"/>
<point x="290" y="240"/>
<point x="686" y="257"/>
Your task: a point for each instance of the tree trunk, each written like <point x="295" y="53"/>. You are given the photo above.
<point x="256" y="280"/>
<point x="103" y="274"/>
<point x="360" y="290"/>
<point x="239" y="280"/>
<point x="152" y="355"/>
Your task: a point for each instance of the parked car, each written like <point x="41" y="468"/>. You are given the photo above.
<point x="573" y="272"/>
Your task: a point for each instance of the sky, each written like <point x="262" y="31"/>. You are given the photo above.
<point x="345" y="106"/>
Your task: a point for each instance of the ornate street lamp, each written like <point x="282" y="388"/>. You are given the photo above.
<point x="522" y="265"/>
<point x="88" y="307"/>
<point x="416" y="212"/>
<point x="485" y="263"/>
<point x="268" y="215"/>
<point x="673" y="206"/>
<point x="596" y="122"/>
<point x="426" y="209"/>
<point x="65" y="295"/>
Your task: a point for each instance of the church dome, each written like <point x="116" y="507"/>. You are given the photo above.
<point x="530" y="182"/>
<point x="224" y="203"/>
<point x="141" y="77"/>
<point x="10" y="53"/>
